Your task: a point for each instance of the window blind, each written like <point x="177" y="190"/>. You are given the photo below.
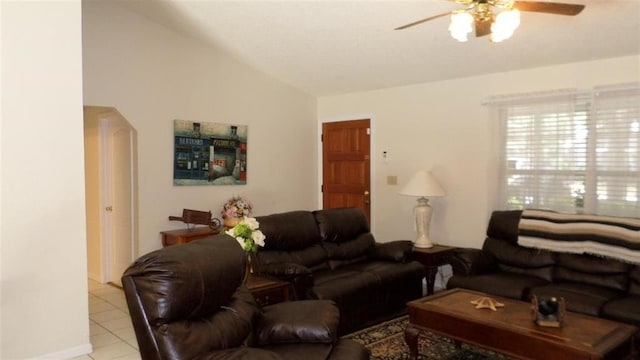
<point x="575" y="152"/>
<point x="616" y="150"/>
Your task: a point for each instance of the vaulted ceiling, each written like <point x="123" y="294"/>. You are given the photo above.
<point x="329" y="47"/>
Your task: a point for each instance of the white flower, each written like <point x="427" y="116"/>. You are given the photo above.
<point x="258" y="237"/>
<point x="240" y="241"/>
<point x="251" y="222"/>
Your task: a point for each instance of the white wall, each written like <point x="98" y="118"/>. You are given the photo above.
<point x="443" y="126"/>
<point x="44" y="307"/>
<point x="153" y="75"/>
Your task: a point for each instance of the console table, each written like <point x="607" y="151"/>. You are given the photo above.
<point x="432" y="258"/>
<point x="183" y="236"/>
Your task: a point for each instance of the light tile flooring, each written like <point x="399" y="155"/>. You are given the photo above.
<point x="111" y="332"/>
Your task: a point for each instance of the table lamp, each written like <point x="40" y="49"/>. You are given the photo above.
<point x="423" y="185"/>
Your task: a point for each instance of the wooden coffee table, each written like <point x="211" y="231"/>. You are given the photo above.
<point x="511" y="330"/>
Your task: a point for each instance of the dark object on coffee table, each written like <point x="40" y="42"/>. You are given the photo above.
<point x="548" y="312"/>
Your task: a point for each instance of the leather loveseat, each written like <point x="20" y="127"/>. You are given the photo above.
<point x="589" y="284"/>
<point x="187" y="302"/>
<point x="331" y="254"/>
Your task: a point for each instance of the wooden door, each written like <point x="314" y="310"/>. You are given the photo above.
<point x="346" y="165"/>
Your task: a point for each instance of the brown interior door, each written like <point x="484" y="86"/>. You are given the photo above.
<point x="346" y="165"/>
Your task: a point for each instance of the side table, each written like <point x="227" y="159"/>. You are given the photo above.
<point x="266" y="290"/>
<point x="183" y="236"/>
<point x="432" y="258"/>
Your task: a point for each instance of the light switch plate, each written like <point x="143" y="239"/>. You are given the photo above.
<point x="392" y="180"/>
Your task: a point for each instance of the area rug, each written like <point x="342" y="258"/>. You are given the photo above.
<point x="386" y="342"/>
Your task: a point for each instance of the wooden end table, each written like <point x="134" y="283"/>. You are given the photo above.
<point x="183" y="236"/>
<point x="267" y="290"/>
<point x="432" y="258"/>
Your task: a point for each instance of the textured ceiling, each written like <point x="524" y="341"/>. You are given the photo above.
<point x="333" y="47"/>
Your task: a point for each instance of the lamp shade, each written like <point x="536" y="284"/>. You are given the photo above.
<point x="422" y="184"/>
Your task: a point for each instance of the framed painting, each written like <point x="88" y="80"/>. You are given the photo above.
<point x="209" y="153"/>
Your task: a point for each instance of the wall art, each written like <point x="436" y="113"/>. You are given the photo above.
<point x="209" y="153"/>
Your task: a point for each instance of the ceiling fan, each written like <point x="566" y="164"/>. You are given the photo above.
<point x="479" y="14"/>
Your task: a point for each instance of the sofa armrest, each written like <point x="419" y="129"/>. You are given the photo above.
<point x="398" y="251"/>
<point x="299" y="276"/>
<point x="307" y="321"/>
<point x="467" y="261"/>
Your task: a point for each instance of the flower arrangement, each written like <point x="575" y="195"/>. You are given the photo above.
<point x="236" y="207"/>
<point x="247" y="234"/>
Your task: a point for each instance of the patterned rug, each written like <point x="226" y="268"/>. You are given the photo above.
<point x="386" y="342"/>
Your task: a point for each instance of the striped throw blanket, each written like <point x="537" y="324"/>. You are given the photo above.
<point x="606" y="236"/>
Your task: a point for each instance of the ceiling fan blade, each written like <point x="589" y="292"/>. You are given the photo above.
<point x="422" y="21"/>
<point x="549" y="7"/>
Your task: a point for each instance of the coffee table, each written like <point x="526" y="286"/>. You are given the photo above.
<point x="511" y="330"/>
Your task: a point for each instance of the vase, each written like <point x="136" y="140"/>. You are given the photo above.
<point x="248" y="269"/>
<point x="230" y="222"/>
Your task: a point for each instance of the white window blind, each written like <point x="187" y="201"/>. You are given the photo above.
<point x="572" y="152"/>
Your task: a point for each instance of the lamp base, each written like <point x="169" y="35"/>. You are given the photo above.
<point x="425" y="244"/>
<point x="422" y="212"/>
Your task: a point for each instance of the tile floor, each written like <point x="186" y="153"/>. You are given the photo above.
<point x="111" y="332"/>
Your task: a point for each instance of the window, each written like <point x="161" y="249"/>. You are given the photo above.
<point x="572" y="152"/>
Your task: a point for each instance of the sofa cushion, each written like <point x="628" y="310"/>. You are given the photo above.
<point x="509" y="285"/>
<point x="396" y="251"/>
<point x="518" y="260"/>
<point x="342" y="224"/>
<point x="592" y="270"/>
<point x="313" y="257"/>
<point x="289" y="231"/>
<point x="344" y="283"/>
<point x="504" y="225"/>
<point x="349" y="252"/>
<point x="224" y="329"/>
<point x="306" y="321"/>
<point x="578" y="297"/>
<point x="398" y="281"/>
<point x="626" y="309"/>
<point x="357" y="293"/>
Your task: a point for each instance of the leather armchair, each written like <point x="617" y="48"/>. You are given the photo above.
<point x="188" y="302"/>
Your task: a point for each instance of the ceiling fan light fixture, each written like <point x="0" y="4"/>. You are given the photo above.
<point x="461" y="25"/>
<point x="505" y="24"/>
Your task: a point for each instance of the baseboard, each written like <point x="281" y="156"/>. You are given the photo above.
<point x="68" y="353"/>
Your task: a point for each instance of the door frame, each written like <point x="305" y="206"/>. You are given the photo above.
<point x="107" y="127"/>
<point x="107" y="119"/>
<point x="372" y="163"/>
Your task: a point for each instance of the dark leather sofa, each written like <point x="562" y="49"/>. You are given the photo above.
<point x="331" y="254"/>
<point x="590" y="285"/>
<point x="187" y="302"/>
